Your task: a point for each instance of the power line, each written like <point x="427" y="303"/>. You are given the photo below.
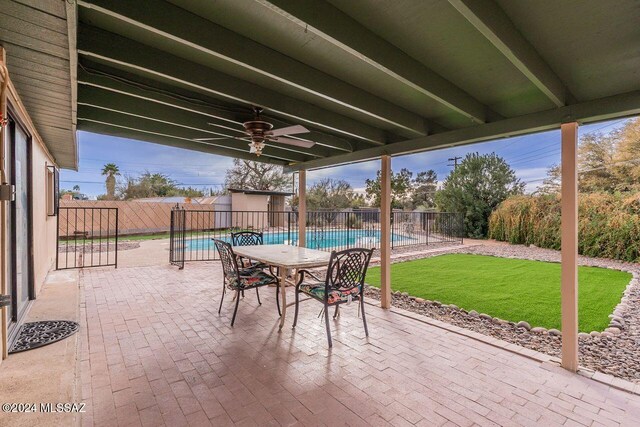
<point x="535" y="158"/>
<point x="182" y="173"/>
<point x="608" y="125"/>
<point x="527" y="155"/>
<point x="529" y="152"/>
<point x="455" y="161"/>
<point x="140" y="163"/>
<point x="102" y="182"/>
<point x="622" y="162"/>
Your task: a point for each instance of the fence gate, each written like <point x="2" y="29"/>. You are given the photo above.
<point x="177" y="236"/>
<point x="87" y="237"/>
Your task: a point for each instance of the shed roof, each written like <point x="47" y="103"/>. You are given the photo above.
<point x="260" y="192"/>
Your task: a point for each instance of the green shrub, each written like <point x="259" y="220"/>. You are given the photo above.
<point x="608" y="226"/>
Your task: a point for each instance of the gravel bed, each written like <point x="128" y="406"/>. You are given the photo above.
<point x="405" y="253"/>
<point x="615" y="351"/>
<point x="97" y="247"/>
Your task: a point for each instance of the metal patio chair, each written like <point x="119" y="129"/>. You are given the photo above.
<point x="248" y="238"/>
<point x="343" y="284"/>
<point x="240" y="279"/>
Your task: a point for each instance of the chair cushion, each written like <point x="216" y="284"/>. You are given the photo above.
<point x="316" y="289"/>
<point x="251" y="278"/>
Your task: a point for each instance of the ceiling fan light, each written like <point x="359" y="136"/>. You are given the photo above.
<point x="256" y="148"/>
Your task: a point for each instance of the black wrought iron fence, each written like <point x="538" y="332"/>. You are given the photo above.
<point x="177" y="236"/>
<point x="337" y="230"/>
<point x="426" y="228"/>
<point x="86" y="237"/>
<point x="331" y="230"/>
<point x="193" y="231"/>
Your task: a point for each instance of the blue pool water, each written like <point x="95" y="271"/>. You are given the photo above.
<point x="315" y="239"/>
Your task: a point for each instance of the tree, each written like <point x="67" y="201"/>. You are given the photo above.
<point x="596" y="154"/>
<point x="627" y="157"/>
<point x="110" y="170"/>
<point x="607" y="163"/>
<point x="406" y="192"/>
<point x="76" y="188"/>
<point x="220" y="191"/>
<point x="401" y="185"/>
<point x="251" y="175"/>
<point x="475" y="188"/>
<point x="552" y="182"/>
<point x="358" y="200"/>
<point x="154" y="185"/>
<point x="330" y="193"/>
<point x="424" y="190"/>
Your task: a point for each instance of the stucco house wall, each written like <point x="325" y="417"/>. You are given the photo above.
<point x="44" y="226"/>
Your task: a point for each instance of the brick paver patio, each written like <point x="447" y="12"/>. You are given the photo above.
<point x="155" y="352"/>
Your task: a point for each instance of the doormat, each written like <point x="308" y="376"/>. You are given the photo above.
<point x="37" y="334"/>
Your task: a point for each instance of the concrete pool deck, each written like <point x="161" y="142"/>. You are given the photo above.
<point x="156" y="252"/>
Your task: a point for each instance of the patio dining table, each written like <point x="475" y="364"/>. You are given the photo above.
<point x="286" y="258"/>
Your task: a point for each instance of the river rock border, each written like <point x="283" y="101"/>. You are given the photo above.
<point x="615" y="351"/>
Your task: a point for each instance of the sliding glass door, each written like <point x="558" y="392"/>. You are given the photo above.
<point x="20" y="263"/>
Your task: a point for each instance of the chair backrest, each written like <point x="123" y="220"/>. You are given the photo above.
<point x="247" y="238"/>
<point x="347" y="269"/>
<point x="227" y="258"/>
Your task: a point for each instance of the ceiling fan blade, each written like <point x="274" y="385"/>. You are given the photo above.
<point x="295" y="142"/>
<point x="209" y="139"/>
<point x="289" y="130"/>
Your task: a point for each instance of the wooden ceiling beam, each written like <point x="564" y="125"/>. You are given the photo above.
<point x="182" y="33"/>
<point x="494" y="24"/>
<point x="326" y="21"/>
<point x="222" y="118"/>
<point x="134" y="57"/>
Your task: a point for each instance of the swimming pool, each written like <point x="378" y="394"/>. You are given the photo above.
<point x="315" y="239"/>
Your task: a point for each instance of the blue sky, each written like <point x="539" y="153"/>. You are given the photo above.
<point x="530" y="156"/>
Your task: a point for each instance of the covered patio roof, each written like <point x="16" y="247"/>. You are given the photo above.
<point x="38" y="38"/>
<point x="368" y="78"/>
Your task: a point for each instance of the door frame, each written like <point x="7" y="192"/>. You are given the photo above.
<point x="17" y="317"/>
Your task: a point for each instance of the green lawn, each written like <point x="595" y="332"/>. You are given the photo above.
<point x="134" y="237"/>
<point x="510" y="289"/>
<point x="145" y="237"/>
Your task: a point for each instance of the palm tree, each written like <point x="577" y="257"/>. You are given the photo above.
<point x="110" y="170"/>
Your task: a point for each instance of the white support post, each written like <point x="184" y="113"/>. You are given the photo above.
<point x="385" y="232"/>
<point x="302" y="208"/>
<point x="569" y="246"/>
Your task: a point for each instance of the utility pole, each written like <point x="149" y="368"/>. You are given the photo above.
<point x="455" y="161"/>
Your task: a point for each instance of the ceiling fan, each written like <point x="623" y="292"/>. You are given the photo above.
<point x="259" y="132"/>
